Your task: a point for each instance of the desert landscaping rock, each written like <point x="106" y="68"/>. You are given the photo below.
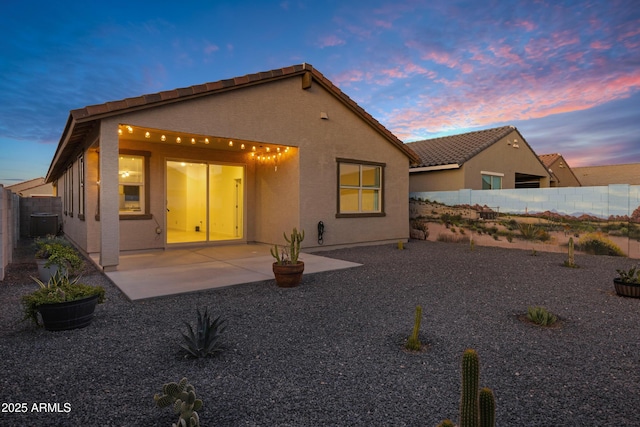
<point x="330" y="352"/>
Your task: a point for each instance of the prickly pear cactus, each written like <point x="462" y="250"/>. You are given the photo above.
<point x="182" y="396"/>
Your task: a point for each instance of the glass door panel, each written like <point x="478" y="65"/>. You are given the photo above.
<point x="226" y="202"/>
<point x="186" y="202"/>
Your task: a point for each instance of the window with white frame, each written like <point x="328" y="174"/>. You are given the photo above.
<point x="491" y="180"/>
<point x="360" y="188"/>
<point x="131" y="188"/>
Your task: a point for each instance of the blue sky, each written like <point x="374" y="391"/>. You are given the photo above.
<point x="565" y="73"/>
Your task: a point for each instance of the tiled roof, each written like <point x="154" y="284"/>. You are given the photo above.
<point x="608" y="174"/>
<point x="457" y="149"/>
<point x="81" y="121"/>
<point x="549" y="159"/>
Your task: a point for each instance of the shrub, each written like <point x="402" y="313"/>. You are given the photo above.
<point x="450" y="238"/>
<point x="58" y="289"/>
<point x="540" y="316"/>
<point x="597" y="244"/>
<point x="59" y="252"/>
<point x="421" y="225"/>
<point x="532" y="232"/>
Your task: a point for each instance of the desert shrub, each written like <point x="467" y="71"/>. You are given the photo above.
<point x="597" y="244"/>
<point x="451" y="238"/>
<point x="533" y="232"/>
<point x="421" y="225"/>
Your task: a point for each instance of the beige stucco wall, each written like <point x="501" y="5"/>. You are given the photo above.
<point x="504" y="158"/>
<point x="444" y="180"/>
<point x="500" y="158"/>
<point x="344" y="135"/>
<point x="301" y="192"/>
<point x="564" y="175"/>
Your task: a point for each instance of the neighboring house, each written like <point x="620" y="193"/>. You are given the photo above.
<point x="497" y="158"/>
<point x="238" y="160"/>
<point x="561" y="173"/>
<point x="593" y="176"/>
<point x="32" y="188"/>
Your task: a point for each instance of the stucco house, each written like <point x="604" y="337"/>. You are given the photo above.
<point x="592" y="176"/>
<point x="561" y="173"/>
<point x="498" y="158"/>
<point x="233" y="161"/>
<point x="32" y="188"/>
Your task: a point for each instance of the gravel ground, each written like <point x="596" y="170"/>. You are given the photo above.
<point x="330" y="351"/>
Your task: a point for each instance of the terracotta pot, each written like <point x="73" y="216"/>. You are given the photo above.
<point x="288" y="275"/>
<point x="61" y="316"/>
<point x="627" y="289"/>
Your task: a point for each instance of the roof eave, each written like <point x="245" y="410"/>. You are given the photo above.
<point x="434" y="168"/>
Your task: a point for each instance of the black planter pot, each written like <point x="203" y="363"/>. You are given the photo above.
<point x="627" y="289"/>
<point x="68" y="315"/>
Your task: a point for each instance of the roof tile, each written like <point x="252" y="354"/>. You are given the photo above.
<point x="457" y="149"/>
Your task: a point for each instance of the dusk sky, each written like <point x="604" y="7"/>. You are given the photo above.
<point x="565" y="73"/>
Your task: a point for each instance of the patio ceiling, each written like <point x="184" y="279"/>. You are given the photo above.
<point x="168" y="137"/>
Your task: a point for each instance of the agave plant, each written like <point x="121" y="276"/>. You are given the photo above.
<point x="540" y="316"/>
<point x="204" y="341"/>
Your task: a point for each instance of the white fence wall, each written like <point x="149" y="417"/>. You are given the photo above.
<point x="618" y="200"/>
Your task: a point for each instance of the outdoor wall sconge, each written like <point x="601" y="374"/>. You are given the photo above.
<point x="324" y="116"/>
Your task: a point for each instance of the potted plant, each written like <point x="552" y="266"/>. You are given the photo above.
<point x="62" y="303"/>
<point x="287" y="269"/>
<point x="628" y="283"/>
<point x="56" y="254"/>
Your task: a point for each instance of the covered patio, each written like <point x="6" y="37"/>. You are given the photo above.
<point x="156" y="273"/>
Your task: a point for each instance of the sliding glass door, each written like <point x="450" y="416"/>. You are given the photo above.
<point x="205" y="202"/>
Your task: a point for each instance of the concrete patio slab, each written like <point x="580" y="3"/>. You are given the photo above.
<point x="174" y="271"/>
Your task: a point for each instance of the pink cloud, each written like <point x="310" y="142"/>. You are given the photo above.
<point x="349" y="76"/>
<point x="527" y="25"/>
<point x="467" y="104"/>
<point x="403" y="70"/>
<point x="331" y="41"/>
<point x="506" y="52"/>
<point x="210" y="48"/>
<point x="383" y="24"/>
<point x="600" y="45"/>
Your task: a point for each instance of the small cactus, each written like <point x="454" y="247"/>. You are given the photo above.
<point x="487" y="407"/>
<point x="182" y="396"/>
<point x="469" y="404"/>
<point x="294" y="244"/>
<point x="571" y="262"/>
<point x="413" y="343"/>
<point x="288" y="255"/>
<point x="477" y="408"/>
